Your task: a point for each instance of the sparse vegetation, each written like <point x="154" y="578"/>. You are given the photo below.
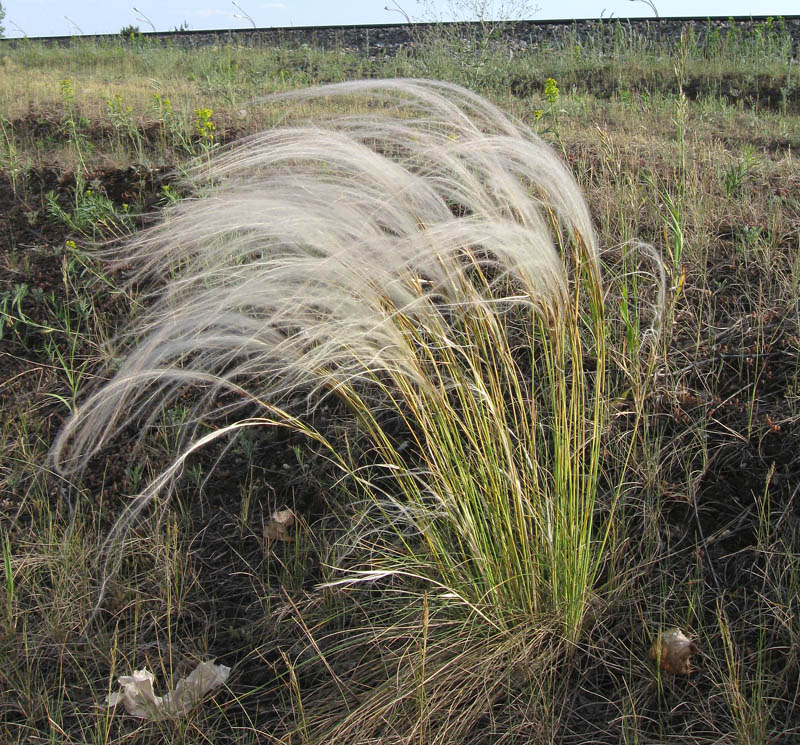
<point x="488" y="515"/>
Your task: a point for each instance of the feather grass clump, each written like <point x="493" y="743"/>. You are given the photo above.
<point x="409" y="249"/>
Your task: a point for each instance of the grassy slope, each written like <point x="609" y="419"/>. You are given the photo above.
<point x="708" y="536"/>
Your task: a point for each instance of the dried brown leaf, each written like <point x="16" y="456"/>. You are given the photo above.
<point x="672" y="651"/>
<point x="137" y="696"/>
<point x="277" y="527"/>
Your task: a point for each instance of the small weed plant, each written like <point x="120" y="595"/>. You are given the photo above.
<point x="121" y="116"/>
<point x="205" y="128"/>
<point x="551" y="95"/>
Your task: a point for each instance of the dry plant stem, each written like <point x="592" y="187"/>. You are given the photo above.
<point x="431" y="258"/>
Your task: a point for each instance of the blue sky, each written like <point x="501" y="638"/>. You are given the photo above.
<point x="47" y="17"/>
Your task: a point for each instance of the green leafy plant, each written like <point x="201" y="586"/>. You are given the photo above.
<point x="11" y="161"/>
<point x="551" y="92"/>
<point x="551" y="95"/>
<point x="172" y="130"/>
<point x="130" y="32"/>
<point x="121" y="117"/>
<point x="735" y="175"/>
<point x="93" y="213"/>
<point x="12" y="317"/>
<point x="205" y="128"/>
<point x="72" y="124"/>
